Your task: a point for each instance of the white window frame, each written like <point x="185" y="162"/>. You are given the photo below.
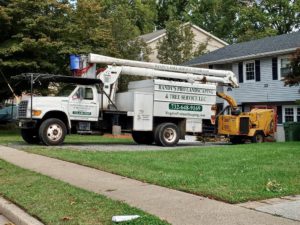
<point x="294" y="107"/>
<point x="279" y="65"/>
<point x="244" y="72"/>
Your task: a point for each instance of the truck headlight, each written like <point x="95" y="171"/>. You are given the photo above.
<point x="36" y="112"/>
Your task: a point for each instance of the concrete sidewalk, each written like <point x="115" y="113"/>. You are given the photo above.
<point x="173" y="206"/>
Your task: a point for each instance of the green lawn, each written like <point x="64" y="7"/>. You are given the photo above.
<point x="230" y="173"/>
<point x="55" y="202"/>
<point x="12" y="136"/>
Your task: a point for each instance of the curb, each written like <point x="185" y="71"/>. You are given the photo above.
<point x="16" y="215"/>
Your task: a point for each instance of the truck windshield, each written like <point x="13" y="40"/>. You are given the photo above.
<point x="66" y="90"/>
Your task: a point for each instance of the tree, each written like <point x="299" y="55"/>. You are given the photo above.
<point x="178" y="44"/>
<point x="215" y="16"/>
<point x="283" y="15"/>
<point x="39" y="35"/>
<point x="129" y="20"/>
<point x="293" y="78"/>
<point x="30" y="36"/>
<point x="168" y="10"/>
<point x="87" y="30"/>
<point x="259" y="19"/>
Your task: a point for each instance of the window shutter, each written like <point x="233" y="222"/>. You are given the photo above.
<point x="274" y="68"/>
<point x="257" y="70"/>
<point x="241" y="80"/>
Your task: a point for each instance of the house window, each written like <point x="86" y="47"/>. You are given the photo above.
<point x="291" y="114"/>
<point x="249" y="71"/>
<point x="284" y="66"/>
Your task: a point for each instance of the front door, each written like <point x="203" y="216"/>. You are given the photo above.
<point x="83" y="104"/>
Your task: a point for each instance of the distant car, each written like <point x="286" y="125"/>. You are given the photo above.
<point x="8" y="114"/>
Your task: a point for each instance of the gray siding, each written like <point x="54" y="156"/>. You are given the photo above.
<point x="266" y="90"/>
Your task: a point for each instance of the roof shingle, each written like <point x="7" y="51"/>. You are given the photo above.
<point x="251" y="48"/>
<point x="153" y="35"/>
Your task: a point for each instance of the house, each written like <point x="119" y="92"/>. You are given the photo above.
<point x="260" y="66"/>
<point x="200" y="36"/>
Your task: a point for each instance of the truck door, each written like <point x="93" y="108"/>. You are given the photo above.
<point x="84" y="104"/>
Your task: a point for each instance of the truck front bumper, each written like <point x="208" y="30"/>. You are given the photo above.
<point x="27" y="123"/>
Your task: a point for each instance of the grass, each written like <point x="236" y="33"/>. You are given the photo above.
<point x="57" y="203"/>
<point x="10" y="135"/>
<point x="228" y="173"/>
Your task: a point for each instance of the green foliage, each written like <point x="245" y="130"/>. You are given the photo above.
<point x="168" y="10"/>
<point x="129" y="19"/>
<point x="236" y="21"/>
<point x="178" y="44"/>
<point x="87" y="31"/>
<point x="258" y="19"/>
<point x="39" y="35"/>
<point x="31" y="39"/>
<point x="293" y="78"/>
<point x="215" y="16"/>
<point x="127" y="25"/>
<point x="282" y="15"/>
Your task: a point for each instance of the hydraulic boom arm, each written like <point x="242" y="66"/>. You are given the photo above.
<point x="191" y="74"/>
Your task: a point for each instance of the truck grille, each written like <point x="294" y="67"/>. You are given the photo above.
<point x="22" y="109"/>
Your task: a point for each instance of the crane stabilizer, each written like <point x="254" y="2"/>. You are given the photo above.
<point x="227" y="77"/>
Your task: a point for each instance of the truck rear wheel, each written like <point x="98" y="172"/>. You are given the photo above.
<point x="258" y="138"/>
<point x="30" y="136"/>
<point x="167" y="134"/>
<point x="52" y="131"/>
<point x="143" y="137"/>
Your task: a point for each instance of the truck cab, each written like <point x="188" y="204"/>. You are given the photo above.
<point x="73" y="103"/>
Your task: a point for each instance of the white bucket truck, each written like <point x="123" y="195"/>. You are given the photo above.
<point x="162" y="109"/>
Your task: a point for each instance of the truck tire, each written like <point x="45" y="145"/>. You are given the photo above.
<point x="30" y="136"/>
<point x="167" y="134"/>
<point x="156" y="135"/>
<point x="52" y="131"/>
<point x="258" y="138"/>
<point x="143" y="137"/>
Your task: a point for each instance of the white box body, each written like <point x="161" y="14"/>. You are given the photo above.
<point x="140" y="106"/>
<point x="163" y="98"/>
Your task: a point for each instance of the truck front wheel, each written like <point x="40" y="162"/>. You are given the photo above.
<point x="30" y="136"/>
<point x="52" y="131"/>
<point x="143" y="137"/>
<point x="167" y="134"/>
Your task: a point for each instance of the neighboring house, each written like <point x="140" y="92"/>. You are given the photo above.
<point x="260" y="66"/>
<point x="201" y="36"/>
